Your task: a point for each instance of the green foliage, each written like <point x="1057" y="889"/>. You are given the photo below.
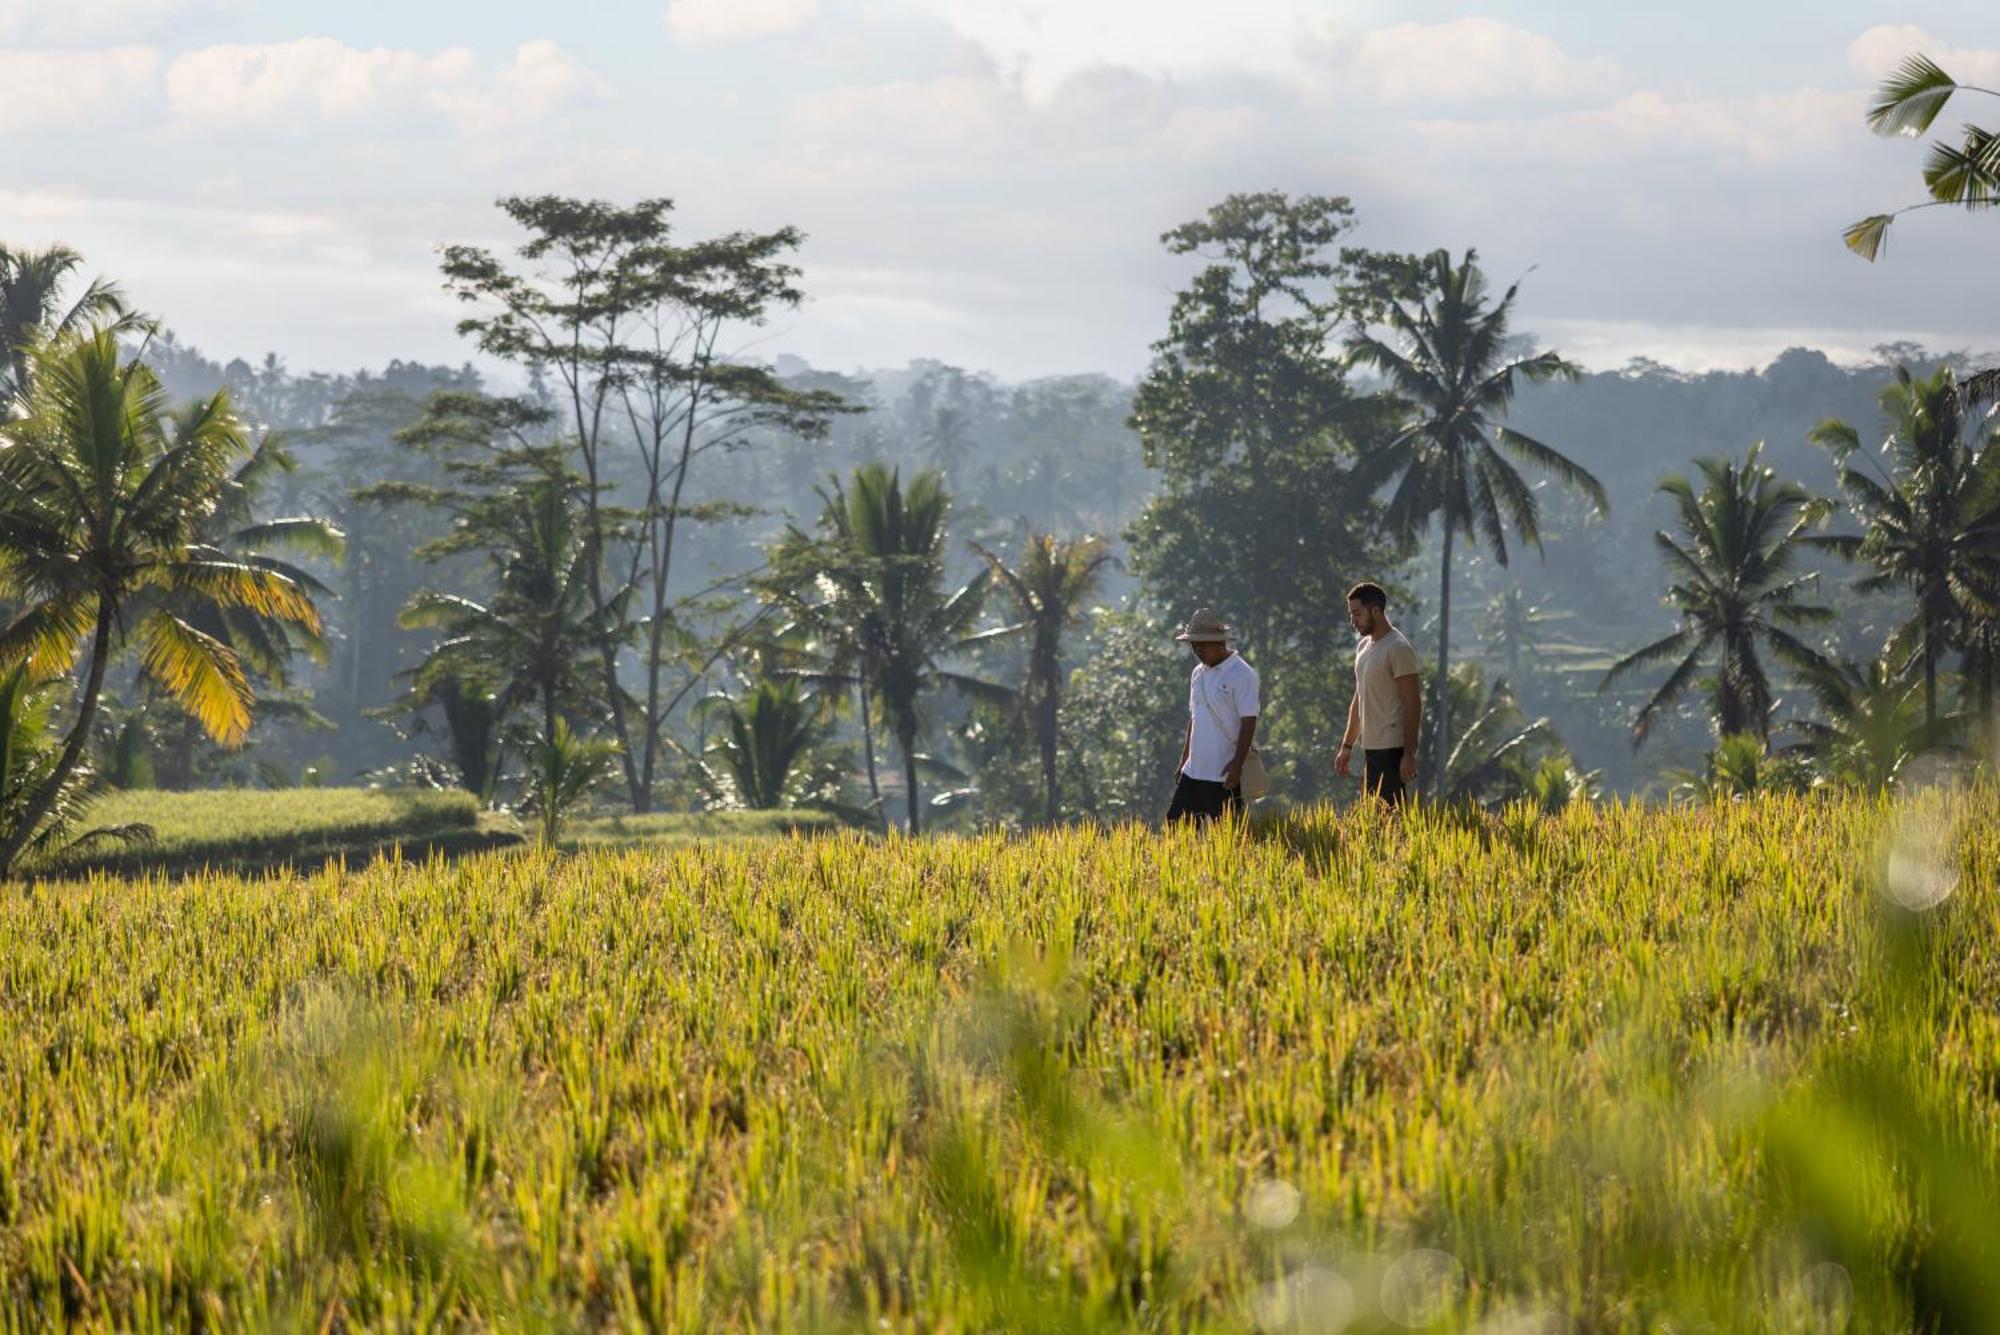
<point x="767" y="737"/>
<point x="1735" y="588"/>
<point x="1050" y="587"/>
<point x="628" y="321"/>
<point x="1872" y="724"/>
<point x="33" y="309"/>
<point x="1454" y="379"/>
<point x="1622" y="1068"/>
<point x="871" y="582"/>
<point x="1964" y="175"/>
<point x="1249" y="421"/>
<point x="103" y="497"/>
<point x="1124" y="715"/>
<point x="564" y="769"/>
<point x="1930" y="515"/>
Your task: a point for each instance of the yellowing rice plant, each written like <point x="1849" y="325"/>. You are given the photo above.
<point x="1729" y="1068"/>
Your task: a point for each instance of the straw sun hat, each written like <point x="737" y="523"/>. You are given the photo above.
<point x="1205" y="625"/>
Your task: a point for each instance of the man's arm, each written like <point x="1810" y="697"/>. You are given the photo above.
<point x="1187" y="744"/>
<point x="1246" y="732"/>
<point x="1343" y="757"/>
<point x="1411" y="691"/>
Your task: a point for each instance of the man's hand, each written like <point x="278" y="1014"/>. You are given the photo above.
<point x="1409" y="766"/>
<point x="1232" y="774"/>
<point x="1343" y="761"/>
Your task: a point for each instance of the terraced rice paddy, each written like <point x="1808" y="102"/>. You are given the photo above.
<point x="1735" y="1068"/>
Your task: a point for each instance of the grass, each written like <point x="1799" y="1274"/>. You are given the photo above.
<point x="1623" y="1069"/>
<point x="669" y="828"/>
<point x="252" y="830"/>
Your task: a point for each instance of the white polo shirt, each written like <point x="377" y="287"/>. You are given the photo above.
<point x="1219" y="699"/>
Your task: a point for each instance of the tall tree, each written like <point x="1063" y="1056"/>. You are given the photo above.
<point x="33" y="309"/>
<point x="631" y="325"/>
<point x="874" y="576"/>
<point x="1050" y="586"/>
<point x="1737" y="587"/>
<point x="1930" y="513"/>
<point x="1963" y="175"/>
<point x="1249" y="420"/>
<point x="103" y="493"/>
<point x="1452" y="369"/>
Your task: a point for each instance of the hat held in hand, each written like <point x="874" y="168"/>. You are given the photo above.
<point x="1205" y="626"/>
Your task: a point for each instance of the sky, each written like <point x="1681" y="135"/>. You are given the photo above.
<point x="986" y="181"/>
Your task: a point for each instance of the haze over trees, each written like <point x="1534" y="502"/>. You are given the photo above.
<point x="924" y="597"/>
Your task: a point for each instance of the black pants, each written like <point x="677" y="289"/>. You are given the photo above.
<point x="1201" y="801"/>
<point x="1382" y="773"/>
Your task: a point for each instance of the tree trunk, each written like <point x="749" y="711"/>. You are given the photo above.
<point x="86" y="712"/>
<point x="1049" y="717"/>
<point x="868" y="751"/>
<point x="909" y="747"/>
<point x="1441" y="714"/>
<point x="184" y="752"/>
<point x="1930" y="669"/>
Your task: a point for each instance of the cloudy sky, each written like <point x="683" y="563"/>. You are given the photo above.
<point x="985" y="181"/>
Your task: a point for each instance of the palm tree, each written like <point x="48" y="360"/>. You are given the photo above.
<point x="1963" y="176"/>
<point x="1495" y="753"/>
<point x="1050" y="589"/>
<point x="1453" y="371"/>
<point x="874" y="581"/>
<point x="32" y="310"/>
<point x="265" y="645"/>
<point x="534" y="636"/>
<point x="1931" y="517"/>
<point x="1512" y="624"/>
<point x="1873" y="723"/>
<point x="1740" y="536"/>
<point x="766" y="736"/>
<point x="103" y="493"/>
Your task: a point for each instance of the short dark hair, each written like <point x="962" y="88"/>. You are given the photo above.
<point x="1368" y="595"/>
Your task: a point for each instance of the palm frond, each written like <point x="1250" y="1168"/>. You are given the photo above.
<point x="201" y="674"/>
<point x="1911" y="97"/>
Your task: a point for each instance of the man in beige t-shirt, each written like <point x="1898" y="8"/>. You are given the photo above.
<point x="1386" y="716"/>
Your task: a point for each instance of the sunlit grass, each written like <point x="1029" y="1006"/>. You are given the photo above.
<point x="251" y="828"/>
<point x="1612" y="1069"/>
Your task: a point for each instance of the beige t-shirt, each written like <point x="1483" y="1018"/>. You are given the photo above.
<point x="1377" y="664"/>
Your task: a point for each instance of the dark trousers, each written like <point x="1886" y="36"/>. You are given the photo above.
<point x="1382" y="773"/>
<point x="1201" y="801"/>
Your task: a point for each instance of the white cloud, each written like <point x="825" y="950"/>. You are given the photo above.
<point x="1041" y="44"/>
<point x="68" y="85"/>
<point x="1879" y="50"/>
<point x="697" y="22"/>
<point x="1650" y="125"/>
<point x="324" y="77"/>
<point x="541" y="78"/>
<point x="1472" y="59"/>
<point x="82" y="22"/>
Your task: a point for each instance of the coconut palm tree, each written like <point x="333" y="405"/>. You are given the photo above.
<point x="535" y="635"/>
<point x="32" y="309"/>
<point x="1452" y="457"/>
<point x="1930" y="509"/>
<point x="103" y="494"/>
<point x="265" y="645"/>
<point x="1050" y="588"/>
<point x="873" y="580"/>
<point x="1965" y="175"/>
<point x="1736" y="589"/>
<point x="1872" y="723"/>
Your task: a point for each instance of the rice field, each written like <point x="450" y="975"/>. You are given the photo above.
<point x="1734" y="1068"/>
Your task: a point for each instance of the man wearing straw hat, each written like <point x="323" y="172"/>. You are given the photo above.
<point x="1222" y="722"/>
